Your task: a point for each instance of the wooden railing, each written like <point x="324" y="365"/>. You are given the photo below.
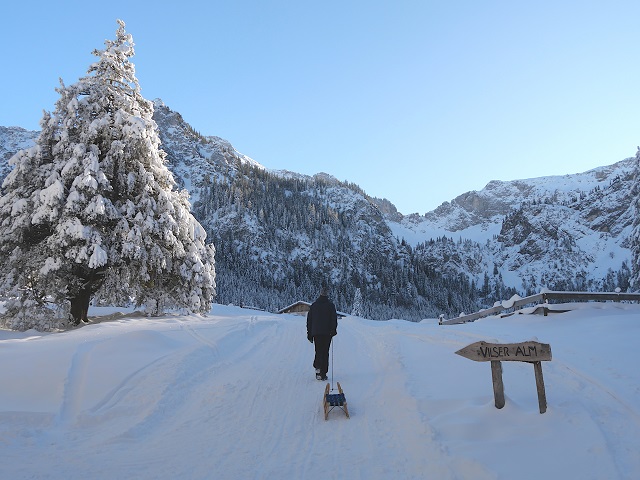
<point x="544" y="298"/>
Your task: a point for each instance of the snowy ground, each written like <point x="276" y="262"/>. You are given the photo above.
<point x="233" y="396"/>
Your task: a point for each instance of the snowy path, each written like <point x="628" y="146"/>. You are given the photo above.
<point x="234" y="396"/>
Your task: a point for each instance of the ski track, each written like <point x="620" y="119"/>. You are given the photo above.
<point x="76" y="376"/>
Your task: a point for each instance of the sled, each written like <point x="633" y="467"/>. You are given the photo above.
<point x="333" y="400"/>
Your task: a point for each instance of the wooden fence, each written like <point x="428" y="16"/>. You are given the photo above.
<point x="545" y="298"/>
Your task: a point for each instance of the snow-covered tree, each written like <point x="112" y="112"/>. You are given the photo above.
<point x="635" y="235"/>
<point x="357" y="309"/>
<point x="92" y="208"/>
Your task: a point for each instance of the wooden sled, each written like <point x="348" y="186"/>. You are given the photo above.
<point x="333" y="400"/>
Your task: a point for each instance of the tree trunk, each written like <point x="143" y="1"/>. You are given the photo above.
<point x="80" y="306"/>
<point x="91" y="280"/>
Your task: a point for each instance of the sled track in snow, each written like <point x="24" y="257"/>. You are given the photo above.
<point x="377" y="393"/>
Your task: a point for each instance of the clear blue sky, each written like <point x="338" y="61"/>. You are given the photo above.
<point x="415" y="101"/>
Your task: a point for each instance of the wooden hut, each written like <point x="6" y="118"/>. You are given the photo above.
<point x="301" y="308"/>
<point x="298" y="308"/>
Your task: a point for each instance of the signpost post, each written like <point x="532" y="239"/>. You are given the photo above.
<point x="531" y="352"/>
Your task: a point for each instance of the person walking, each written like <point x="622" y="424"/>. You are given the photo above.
<point x="322" y="326"/>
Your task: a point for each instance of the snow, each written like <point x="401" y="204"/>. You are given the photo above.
<point x="509" y="303"/>
<point x="415" y="232"/>
<point x="233" y="395"/>
<point x="98" y="258"/>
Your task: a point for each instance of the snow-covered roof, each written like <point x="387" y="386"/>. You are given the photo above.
<point x="298" y="303"/>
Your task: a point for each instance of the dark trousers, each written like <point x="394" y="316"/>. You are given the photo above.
<point x="321" y="360"/>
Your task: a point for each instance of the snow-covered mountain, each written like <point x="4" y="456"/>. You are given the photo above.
<point x="566" y="231"/>
<point x="193" y="158"/>
<point x="12" y="140"/>
<point x="279" y="234"/>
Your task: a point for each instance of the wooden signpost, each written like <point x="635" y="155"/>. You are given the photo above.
<point x="496" y="353"/>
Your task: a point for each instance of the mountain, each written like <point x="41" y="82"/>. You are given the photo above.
<point x="279" y="234"/>
<point x="560" y="232"/>
<point x="193" y="158"/>
<point x="13" y="139"/>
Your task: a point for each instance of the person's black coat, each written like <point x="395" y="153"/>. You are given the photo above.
<point x="322" y="318"/>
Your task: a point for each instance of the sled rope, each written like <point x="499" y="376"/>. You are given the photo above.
<point x="332" y="363"/>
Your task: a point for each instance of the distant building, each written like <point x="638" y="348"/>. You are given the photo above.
<point x="301" y="308"/>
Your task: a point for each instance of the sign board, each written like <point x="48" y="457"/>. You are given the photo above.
<point x="507" y="352"/>
<point x="533" y="352"/>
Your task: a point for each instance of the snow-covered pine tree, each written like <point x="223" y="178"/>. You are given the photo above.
<point x="357" y="309"/>
<point x="92" y="208"/>
<point x="635" y="235"/>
